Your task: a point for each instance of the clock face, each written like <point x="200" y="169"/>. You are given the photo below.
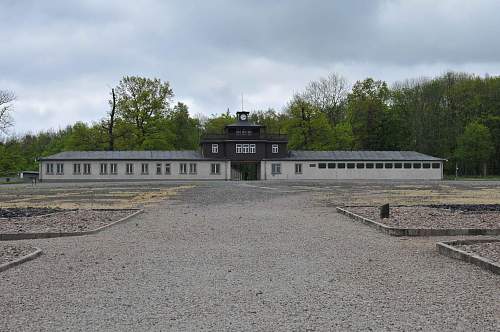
<point x="243" y="117"/>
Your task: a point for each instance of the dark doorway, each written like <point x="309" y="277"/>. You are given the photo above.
<point x="245" y="171"/>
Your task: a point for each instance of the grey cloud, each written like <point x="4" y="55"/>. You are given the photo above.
<point x="211" y="51"/>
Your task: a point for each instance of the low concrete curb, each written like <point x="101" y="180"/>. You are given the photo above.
<point x="27" y="236"/>
<point x="448" y="249"/>
<point x="21" y="260"/>
<point x="394" y="231"/>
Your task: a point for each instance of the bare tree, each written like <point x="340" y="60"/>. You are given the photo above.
<point x="329" y="96"/>
<point x="110" y="124"/>
<point x="6" y="99"/>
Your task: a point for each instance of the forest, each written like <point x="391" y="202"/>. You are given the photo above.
<point x="455" y="116"/>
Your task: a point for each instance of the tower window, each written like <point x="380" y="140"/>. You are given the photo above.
<point x="215" y="148"/>
<point x="275" y="148"/>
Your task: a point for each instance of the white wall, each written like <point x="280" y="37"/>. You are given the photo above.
<point x="316" y="173"/>
<point x="203" y="171"/>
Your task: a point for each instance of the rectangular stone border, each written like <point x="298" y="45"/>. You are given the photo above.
<point x="28" y="236"/>
<point x="21" y="260"/>
<point x="394" y="231"/>
<point x="447" y="248"/>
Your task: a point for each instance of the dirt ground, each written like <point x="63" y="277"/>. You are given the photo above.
<point x="88" y="195"/>
<point x="329" y="193"/>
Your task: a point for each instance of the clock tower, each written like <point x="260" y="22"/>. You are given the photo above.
<point x="244" y="144"/>
<point x="242" y="116"/>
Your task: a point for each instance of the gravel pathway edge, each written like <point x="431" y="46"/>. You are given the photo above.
<point x="448" y="249"/>
<point x="418" y="231"/>
<point x="21" y="260"/>
<point x="46" y="235"/>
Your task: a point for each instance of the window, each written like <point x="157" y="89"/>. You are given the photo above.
<point x="183" y="168"/>
<point x="426" y="165"/>
<point x="369" y="165"/>
<point x="113" y="168"/>
<point x="275" y="148"/>
<point x="436" y="165"/>
<point x="245" y="148"/>
<point x="104" y="169"/>
<point x="192" y="168"/>
<point x="379" y="165"/>
<point x="298" y="168"/>
<point x="312" y="165"/>
<point x="350" y="165"/>
<point x="238" y="132"/>
<point x="322" y="165"/>
<point x="417" y="165"/>
<point x="360" y="165"/>
<point x="167" y="169"/>
<point x="388" y="165"/>
<point x="407" y="165"/>
<point x="60" y="168"/>
<point x="331" y="165"/>
<point x="214" y="168"/>
<point x="86" y="169"/>
<point x="276" y="168"/>
<point x="130" y="168"/>
<point x="215" y="148"/>
<point x="398" y="165"/>
<point x="144" y="168"/>
<point x="158" y="169"/>
<point x="49" y="169"/>
<point x="76" y="169"/>
<point x="341" y="165"/>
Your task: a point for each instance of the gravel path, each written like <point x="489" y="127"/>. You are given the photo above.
<point x="427" y="217"/>
<point x="12" y="251"/>
<point x="490" y="250"/>
<point x="224" y="256"/>
<point x="68" y="221"/>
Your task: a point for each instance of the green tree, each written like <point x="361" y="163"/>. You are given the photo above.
<point x="185" y="130"/>
<point x="142" y="102"/>
<point x="475" y="148"/>
<point x="343" y="138"/>
<point x="367" y="104"/>
<point x="307" y="127"/>
<point x="215" y="124"/>
<point x="81" y="137"/>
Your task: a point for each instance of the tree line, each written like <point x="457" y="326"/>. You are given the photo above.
<point x="455" y="116"/>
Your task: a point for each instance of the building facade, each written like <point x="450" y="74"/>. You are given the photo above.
<point x="244" y="151"/>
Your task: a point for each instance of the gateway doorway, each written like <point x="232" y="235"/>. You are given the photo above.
<point x="245" y="171"/>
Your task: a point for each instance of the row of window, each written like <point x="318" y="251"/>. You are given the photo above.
<point x="245" y="148"/>
<point x="184" y="168"/>
<point x="244" y="132"/>
<point x="249" y="148"/>
<point x="276" y="167"/>
<point x="378" y="165"/>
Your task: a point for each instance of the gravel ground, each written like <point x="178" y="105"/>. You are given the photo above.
<point x="225" y="256"/>
<point x="12" y="251"/>
<point x="490" y="250"/>
<point x="66" y="221"/>
<point x="25" y="212"/>
<point x="427" y="217"/>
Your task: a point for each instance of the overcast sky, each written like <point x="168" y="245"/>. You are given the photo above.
<point x="61" y="58"/>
